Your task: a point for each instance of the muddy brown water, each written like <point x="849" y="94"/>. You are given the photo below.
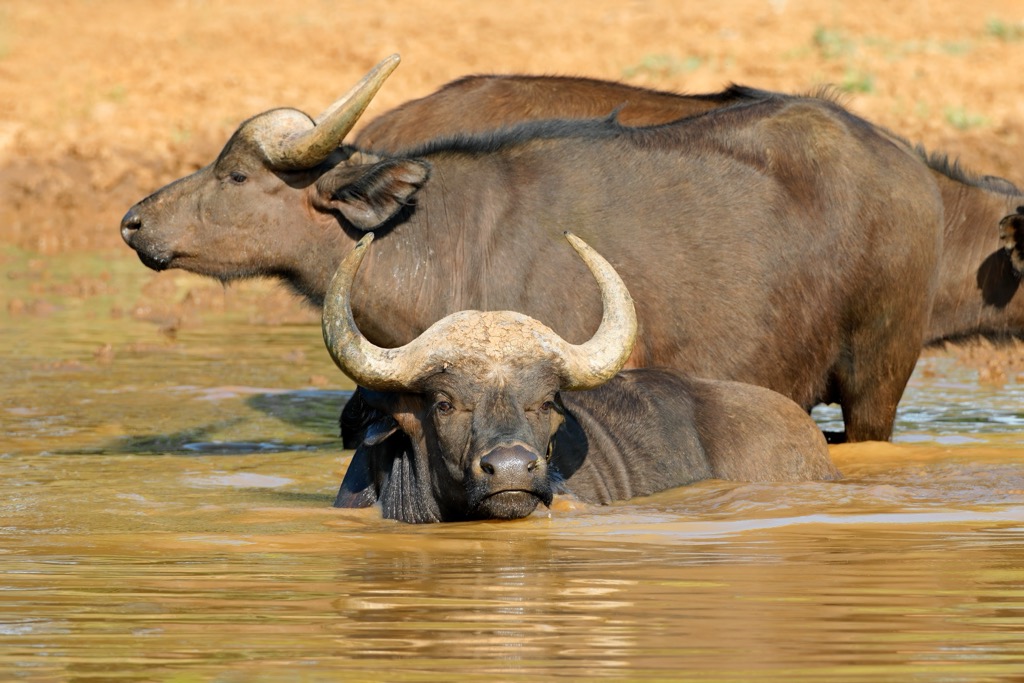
<point x="165" y="515"/>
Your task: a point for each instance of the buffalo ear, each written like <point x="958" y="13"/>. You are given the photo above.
<point x="1011" y="236"/>
<point x="357" y="488"/>
<point x="387" y="413"/>
<point x="380" y="430"/>
<point x="366" y="422"/>
<point x="355" y="417"/>
<point x="370" y="195"/>
<point x="366" y="419"/>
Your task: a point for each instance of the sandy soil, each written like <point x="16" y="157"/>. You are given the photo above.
<point x="103" y="102"/>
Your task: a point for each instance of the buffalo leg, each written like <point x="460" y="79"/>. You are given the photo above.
<point x="871" y="388"/>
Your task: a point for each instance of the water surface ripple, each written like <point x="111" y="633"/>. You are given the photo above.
<point x="165" y="515"/>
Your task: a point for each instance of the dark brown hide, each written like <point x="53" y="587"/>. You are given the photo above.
<point x="977" y="281"/>
<point x="981" y="260"/>
<point x="475" y="104"/>
<point x="781" y="242"/>
<point x="644" y="431"/>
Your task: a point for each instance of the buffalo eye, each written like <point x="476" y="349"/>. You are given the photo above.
<point x="444" y="408"/>
<point x="547" y="406"/>
<point x="238" y="178"/>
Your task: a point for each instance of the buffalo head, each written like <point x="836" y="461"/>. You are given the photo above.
<point x="476" y="395"/>
<point x="262" y="207"/>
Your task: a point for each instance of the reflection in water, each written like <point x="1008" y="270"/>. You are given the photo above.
<point x="362" y="597"/>
<point x="165" y="515"/>
<point x="944" y="403"/>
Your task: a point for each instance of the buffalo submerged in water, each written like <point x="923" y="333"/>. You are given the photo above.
<point x="782" y="242"/>
<point x="489" y="414"/>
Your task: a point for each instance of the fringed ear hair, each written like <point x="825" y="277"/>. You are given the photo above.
<point x="1011" y="236"/>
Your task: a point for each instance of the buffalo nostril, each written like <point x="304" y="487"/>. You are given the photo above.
<point x="509" y="461"/>
<point x="131" y="221"/>
<point x="130" y="225"/>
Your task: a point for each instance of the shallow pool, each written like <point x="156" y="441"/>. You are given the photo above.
<point x="165" y="515"/>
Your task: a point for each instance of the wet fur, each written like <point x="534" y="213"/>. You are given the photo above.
<point x="643" y="432"/>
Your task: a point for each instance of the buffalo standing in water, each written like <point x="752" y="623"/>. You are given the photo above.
<point x="468" y="421"/>
<point x="981" y="266"/>
<point x="782" y="242"/>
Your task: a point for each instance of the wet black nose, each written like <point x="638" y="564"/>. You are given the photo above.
<point x="509" y="461"/>
<point x="130" y="224"/>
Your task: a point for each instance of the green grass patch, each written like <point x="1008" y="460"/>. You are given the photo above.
<point x="1005" y="31"/>
<point x="180" y="135"/>
<point x="662" y="65"/>
<point x="961" y="119"/>
<point x="908" y="48"/>
<point x="117" y="93"/>
<point x="832" y="44"/>
<point x="857" y="81"/>
<point x="956" y="48"/>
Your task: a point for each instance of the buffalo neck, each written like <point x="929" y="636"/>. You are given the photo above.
<point x="316" y="260"/>
<point x="429" y="265"/>
<point x="977" y="293"/>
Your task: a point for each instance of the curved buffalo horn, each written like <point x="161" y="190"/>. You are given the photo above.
<point x="584" y="366"/>
<point x="368" y="365"/>
<point x="593" y="363"/>
<point x="290" y="141"/>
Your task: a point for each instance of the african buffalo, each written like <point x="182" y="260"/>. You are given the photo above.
<point x="977" y="280"/>
<point x="781" y="242"/>
<point x="468" y="420"/>
<point x="981" y="264"/>
<point x="475" y="104"/>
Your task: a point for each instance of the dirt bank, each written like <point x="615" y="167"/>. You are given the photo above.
<point x="102" y="102"/>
